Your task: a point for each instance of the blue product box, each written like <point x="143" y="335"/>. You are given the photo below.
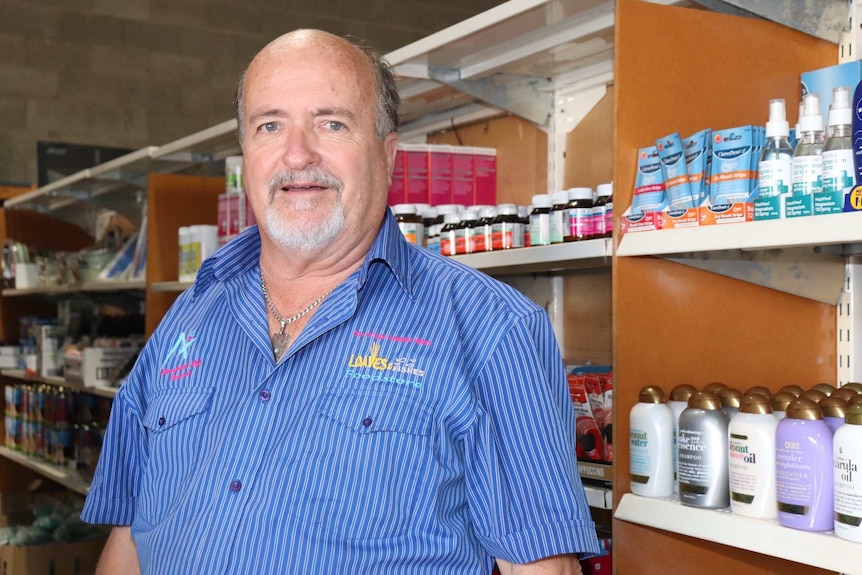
<point x="822" y="82"/>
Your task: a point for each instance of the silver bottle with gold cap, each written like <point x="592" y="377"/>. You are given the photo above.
<point x="702" y="467"/>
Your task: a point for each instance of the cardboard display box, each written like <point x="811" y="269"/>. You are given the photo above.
<point x="51" y="559"/>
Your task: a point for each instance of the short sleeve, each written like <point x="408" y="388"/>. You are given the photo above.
<point x="523" y="486"/>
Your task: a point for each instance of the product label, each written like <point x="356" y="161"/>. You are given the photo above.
<point x="848" y="491"/>
<point x="807" y="175"/>
<point x="506" y="235"/>
<point x="581" y="222"/>
<point x="540" y="229"/>
<point x="609" y="217"/>
<point x="639" y="456"/>
<point x="797" y="207"/>
<point x="793" y="478"/>
<point x="743" y="465"/>
<point x="559" y="225"/>
<point x="769" y="208"/>
<point x="692" y="471"/>
<point x="837" y="170"/>
<point x="448" y="243"/>
<point x="776" y="177"/>
<point x="598" y="217"/>
<point x="412" y="232"/>
<point x="465" y="241"/>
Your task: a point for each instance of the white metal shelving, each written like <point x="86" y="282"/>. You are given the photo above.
<point x="542" y="259"/>
<point x="99" y="390"/>
<point x="87" y="287"/>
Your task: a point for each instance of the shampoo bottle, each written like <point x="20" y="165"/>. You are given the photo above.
<point x="678" y="402"/>
<point x="834" y="410"/>
<point x="703" y="465"/>
<point x="803" y="468"/>
<point x="780" y="401"/>
<point x="847" y="449"/>
<point x="730" y="399"/>
<point x="752" y="458"/>
<point x="651" y="445"/>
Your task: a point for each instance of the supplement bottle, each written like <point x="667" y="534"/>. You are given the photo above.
<point x="776" y="160"/>
<point x="484" y="226"/>
<point x="466" y="232"/>
<point x="838" y="152"/>
<point x="409" y="222"/>
<point x="780" y="401"/>
<point x="803" y="468"/>
<point x="507" y="229"/>
<point x="540" y="220"/>
<point x="580" y="211"/>
<point x="603" y="212"/>
<point x="559" y="216"/>
<point x="651" y="444"/>
<point x="703" y="467"/>
<point x="752" y="458"/>
<point x="524" y="214"/>
<point x="449" y="235"/>
<point x="807" y="159"/>
<point x="847" y="450"/>
<point x="678" y="402"/>
<point x="834" y="410"/>
<point x="432" y="235"/>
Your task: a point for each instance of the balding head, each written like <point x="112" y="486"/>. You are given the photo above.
<point x="366" y="65"/>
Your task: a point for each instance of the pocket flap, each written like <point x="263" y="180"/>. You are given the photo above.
<point x="173" y="406"/>
<point x="371" y="413"/>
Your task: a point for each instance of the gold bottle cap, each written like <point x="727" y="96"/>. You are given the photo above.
<point x="759" y="390"/>
<point x="714" y="387"/>
<point x="755" y="403"/>
<point x="833" y="406"/>
<point x="855" y="400"/>
<point x="854" y="385"/>
<point x="682" y="392"/>
<point x="814" y="395"/>
<point x="804" y="409"/>
<point x="794" y="389"/>
<point x="854" y="414"/>
<point x="730" y="397"/>
<point x="781" y="400"/>
<point x="704" y="400"/>
<point x="651" y="394"/>
<point x="845" y="393"/>
<point x="826" y="388"/>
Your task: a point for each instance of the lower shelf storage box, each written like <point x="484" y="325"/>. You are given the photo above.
<point x="51" y="559"/>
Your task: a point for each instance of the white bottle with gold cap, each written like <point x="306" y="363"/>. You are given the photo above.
<point x="651" y="445"/>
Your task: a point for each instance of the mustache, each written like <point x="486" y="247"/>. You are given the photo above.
<point x="310" y="176"/>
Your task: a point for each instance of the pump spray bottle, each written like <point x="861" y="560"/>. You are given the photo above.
<point x="837" y="155"/>
<point x="776" y="165"/>
<point x="807" y="159"/>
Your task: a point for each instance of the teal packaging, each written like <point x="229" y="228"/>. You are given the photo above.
<point x="677" y="191"/>
<point x="649" y="183"/>
<point x="837" y="156"/>
<point x="824" y="80"/>
<point x="698" y="161"/>
<point x="732" y="165"/>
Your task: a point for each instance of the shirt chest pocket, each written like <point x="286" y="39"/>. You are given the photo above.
<point x="173" y="407"/>
<point x="361" y="475"/>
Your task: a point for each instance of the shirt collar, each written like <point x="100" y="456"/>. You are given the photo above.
<point x="242" y="254"/>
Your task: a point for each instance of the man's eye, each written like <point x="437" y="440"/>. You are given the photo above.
<point x="269" y="127"/>
<point x="334" y="126"/>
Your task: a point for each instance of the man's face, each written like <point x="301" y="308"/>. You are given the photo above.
<point x="315" y="172"/>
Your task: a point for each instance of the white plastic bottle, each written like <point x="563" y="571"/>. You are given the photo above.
<point x="776" y="159"/>
<point x="677" y="403"/>
<point x="651" y="444"/>
<point x="751" y="466"/>
<point x="807" y="159"/>
<point x="847" y="455"/>
<point x="838" y="152"/>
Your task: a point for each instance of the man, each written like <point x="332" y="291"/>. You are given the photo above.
<point x="328" y="398"/>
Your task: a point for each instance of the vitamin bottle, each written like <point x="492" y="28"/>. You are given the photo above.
<point x="559" y="216"/>
<point x="776" y="160"/>
<point x="484" y="227"/>
<point x="803" y="468"/>
<point x="838" y="151"/>
<point x="449" y="235"/>
<point x="807" y="159"/>
<point x="603" y="212"/>
<point x="847" y="451"/>
<point x="651" y="445"/>
<point x="507" y="229"/>
<point x="524" y="214"/>
<point x="409" y="222"/>
<point x="432" y="235"/>
<point x="540" y="220"/>
<point x="678" y="402"/>
<point x="703" y="467"/>
<point x="580" y="210"/>
<point x="751" y="452"/>
<point x="466" y="232"/>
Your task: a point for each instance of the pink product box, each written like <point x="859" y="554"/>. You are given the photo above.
<point x="463" y="176"/>
<point x="485" y="176"/>
<point x="440" y="175"/>
<point x="397" y="189"/>
<point x="416" y="173"/>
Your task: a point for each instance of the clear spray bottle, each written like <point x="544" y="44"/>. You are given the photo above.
<point x="807" y="158"/>
<point x="838" y="151"/>
<point x="776" y="161"/>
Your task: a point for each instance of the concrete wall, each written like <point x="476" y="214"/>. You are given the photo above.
<point x="132" y="73"/>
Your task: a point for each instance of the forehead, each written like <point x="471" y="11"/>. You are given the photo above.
<point x="328" y="68"/>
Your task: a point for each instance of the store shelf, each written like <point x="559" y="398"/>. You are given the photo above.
<point x="170" y="286"/>
<point x="542" y="259"/>
<point x="104" y="286"/>
<point x="101" y="391"/>
<point x="66" y="477"/>
<point x="599" y="498"/>
<point x="596" y="470"/>
<point x="823" y="550"/>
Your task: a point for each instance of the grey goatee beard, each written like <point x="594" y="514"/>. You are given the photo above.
<point x="304" y="234"/>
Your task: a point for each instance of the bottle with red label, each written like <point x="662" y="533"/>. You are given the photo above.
<point x="507" y="230"/>
<point x="466" y="232"/>
<point x="449" y="234"/>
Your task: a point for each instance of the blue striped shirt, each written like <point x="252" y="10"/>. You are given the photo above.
<point x="419" y="424"/>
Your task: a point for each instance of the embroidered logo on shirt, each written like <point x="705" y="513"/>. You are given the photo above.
<point x="369" y="367"/>
<point x="180" y="352"/>
<point x="392" y="338"/>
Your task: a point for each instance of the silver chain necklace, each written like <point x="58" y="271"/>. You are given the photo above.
<point x="279" y="339"/>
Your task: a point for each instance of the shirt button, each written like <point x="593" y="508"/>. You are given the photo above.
<point x="161" y="421"/>
<point x="366" y="422"/>
<point x="264" y="395"/>
<point x="235" y="486"/>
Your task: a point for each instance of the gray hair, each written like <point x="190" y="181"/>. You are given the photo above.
<point x="388" y="99"/>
